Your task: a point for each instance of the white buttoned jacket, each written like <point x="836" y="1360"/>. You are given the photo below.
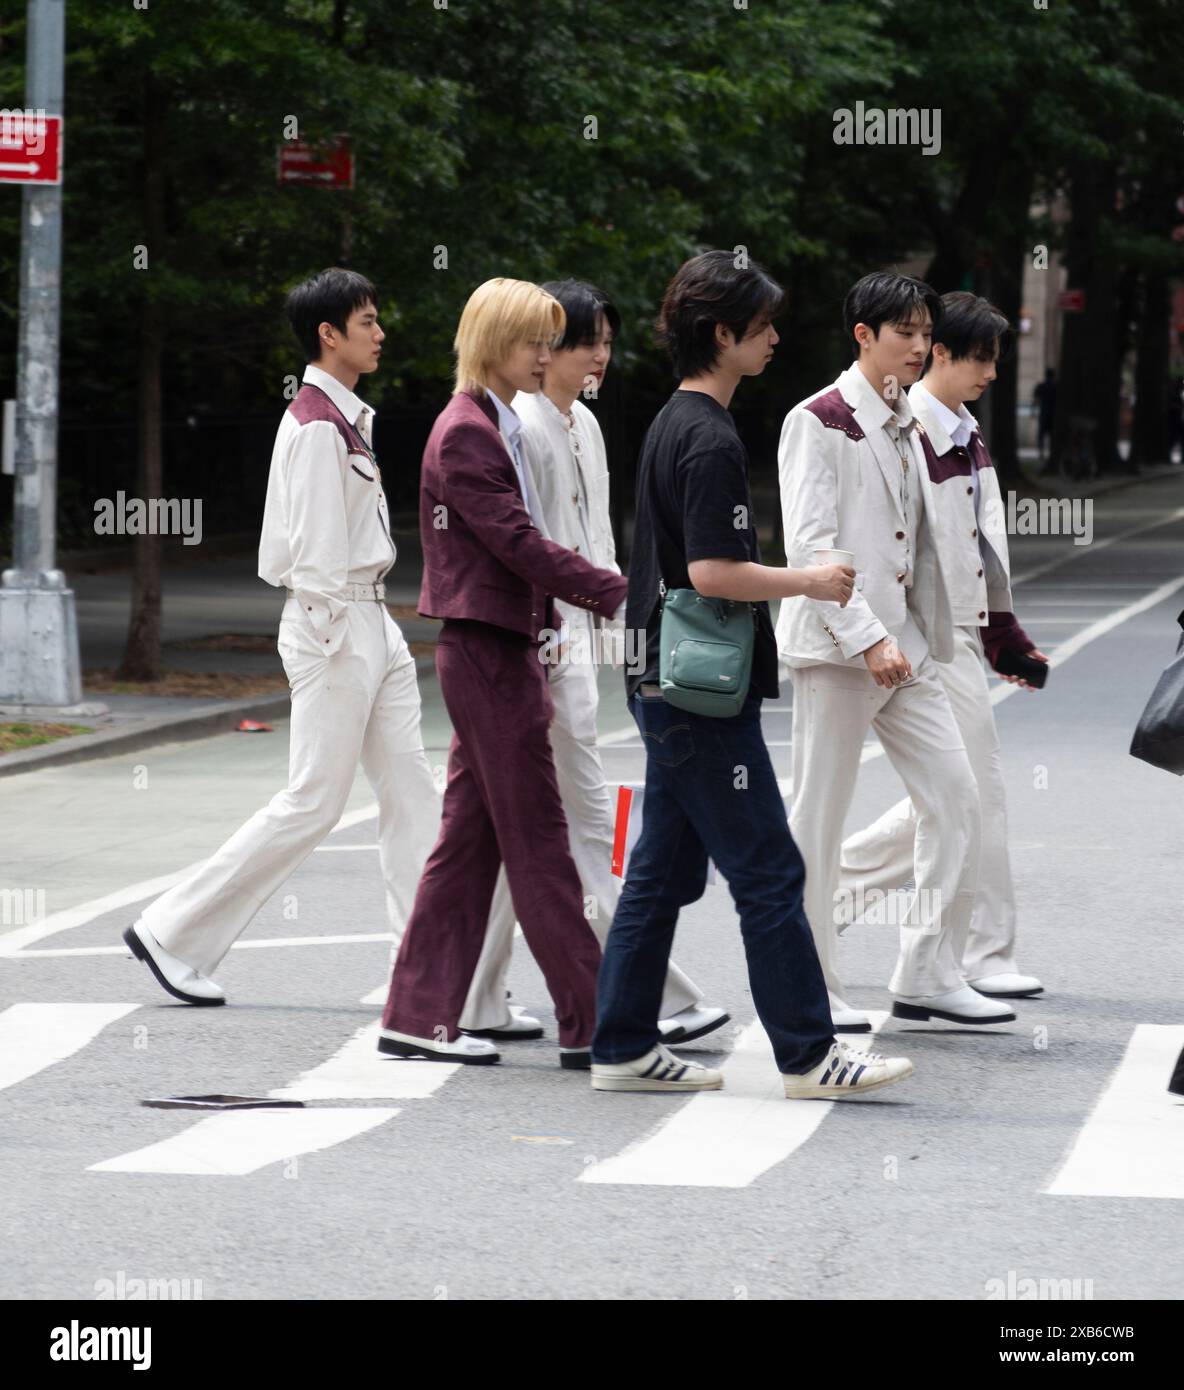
<point x="840" y="489"/>
<point x="972" y="545"/>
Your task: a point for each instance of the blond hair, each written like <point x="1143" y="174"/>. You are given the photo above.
<point x="500" y="315"/>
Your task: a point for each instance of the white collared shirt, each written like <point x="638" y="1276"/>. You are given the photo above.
<point x="325" y="522"/>
<point x="511" y="429"/>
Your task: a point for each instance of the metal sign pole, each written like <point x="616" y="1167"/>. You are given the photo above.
<point x="39" y="657"/>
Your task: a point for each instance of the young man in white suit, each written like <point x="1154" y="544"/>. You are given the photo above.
<point x="853" y="477"/>
<point x="326" y="539"/>
<point x="564" y="453"/>
<point x="967" y="521"/>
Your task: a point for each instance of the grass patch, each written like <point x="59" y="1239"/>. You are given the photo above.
<point x="17" y="736"/>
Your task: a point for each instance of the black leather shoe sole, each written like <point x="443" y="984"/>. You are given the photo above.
<point x="393" y="1048"/>
<point x="140" y="951"/>
<point x="576" y="1061"/>
<point x="852" y="1027"/>
<point x="915" y="1012"/>
<point x="1010" y="994"/>
<point x="681" y="1035"/>
<point x="504" y="1034"/>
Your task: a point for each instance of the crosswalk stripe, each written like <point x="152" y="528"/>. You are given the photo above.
<point x="724" y="1138"/>
<point x="358" y="1071"/>
<point x="239" y="1142"/>
<point x="35" y="1036"/>
<point x="1132" y="1145"/>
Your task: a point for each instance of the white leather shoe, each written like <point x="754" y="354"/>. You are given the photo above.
<point x="181" y="980"/>
<point x="846" y="1019"/>
<point x="658" y="1070"/>
<point x="475" y="1051"/>
<point x="695" y="1021"/>
<point x="844" y="1073"/>
<point x="963" y="1005"/>
<point x="521" y="1028"/>
<point x="1005" y="986"/>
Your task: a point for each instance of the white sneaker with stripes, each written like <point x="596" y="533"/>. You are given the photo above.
<point x="658" y="1070"/>
<point x="844" y="1073"/>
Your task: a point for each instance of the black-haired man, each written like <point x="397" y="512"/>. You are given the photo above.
<point x="853" y="478"/>
<point x="326" y="539"/>
<point x="710" y="788"/>
<point x="966" y="518"/>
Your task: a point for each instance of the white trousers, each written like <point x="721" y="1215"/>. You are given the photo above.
<point x="881" y="856"/>
<point x="833" y="708"/>
<point x="590" y="813"/>
<point x="361" y="702"/>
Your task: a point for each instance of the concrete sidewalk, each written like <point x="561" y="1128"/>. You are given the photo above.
<point x="200" y="599"/>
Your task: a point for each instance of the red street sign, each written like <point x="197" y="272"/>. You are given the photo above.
<point x="30" y="147"/>
<point x="331" y="164"/>
<point x="1072" y="301"/>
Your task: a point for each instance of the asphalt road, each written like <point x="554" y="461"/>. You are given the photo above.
<point x="1048" y="1149"/>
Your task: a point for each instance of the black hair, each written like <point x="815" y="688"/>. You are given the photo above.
<point x="712" y="289"/>
<point x="971" y="326"/>
<point x="329" y="297"/>
<point x="583" y="304"/>
<point x="886" y="297"/>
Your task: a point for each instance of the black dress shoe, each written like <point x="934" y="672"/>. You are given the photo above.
<point x="575" y="1058"/>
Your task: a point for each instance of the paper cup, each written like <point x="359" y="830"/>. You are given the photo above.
<point x="835" y="557"/>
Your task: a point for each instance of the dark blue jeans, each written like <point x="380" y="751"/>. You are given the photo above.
<point x="710" y="791"/>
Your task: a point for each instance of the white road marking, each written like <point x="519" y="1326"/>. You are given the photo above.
<point x="358" y="1071"/>
<point x="238" y="1142"/>
<point x="1095" y="546"/>
<point x="1070" y="647"/>
<point x="725" y="1138"/>
<point x="262" y="943"/>
<point x="1132" y="1145"/>
<point x="35" y="1036"/>
<point x="14" y="941"/>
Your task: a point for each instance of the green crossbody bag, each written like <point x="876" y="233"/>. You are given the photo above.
<point x="706" y="652"/>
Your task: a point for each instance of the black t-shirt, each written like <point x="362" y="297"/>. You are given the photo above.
<point x="693" y="503"/>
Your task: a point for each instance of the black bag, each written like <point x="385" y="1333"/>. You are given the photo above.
<point x="1159" y="734"/>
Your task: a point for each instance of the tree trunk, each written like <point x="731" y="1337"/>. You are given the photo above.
<point x="141" y="657"/>
<point x="1085" y="395"/>
<point x="1005" y="288"/>
<point x="1149" y="432"/>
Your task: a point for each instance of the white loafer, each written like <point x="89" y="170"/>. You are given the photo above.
<point x="845" y="1019"/>
<point x="522" y="1027"/>
<point x="658" y="1070"/>
<point x="695" y="1021"/>
<point x="181" y="980"/>
<point x="475" y="1051"/>
<point x="845" y="1073"/>
<point x="1005" y="986"/>
<point x="962" y="1005"/>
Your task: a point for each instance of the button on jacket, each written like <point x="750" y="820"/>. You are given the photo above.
<point x="325" y="522"/>
<point x="484" y="559"/>
<point x="841" y="488"/>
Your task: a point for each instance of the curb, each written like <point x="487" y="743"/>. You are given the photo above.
<point x="222" y="718"/>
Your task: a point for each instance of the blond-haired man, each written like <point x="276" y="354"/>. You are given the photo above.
<point x="490" y="574"/>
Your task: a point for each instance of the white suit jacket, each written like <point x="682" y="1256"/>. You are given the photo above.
<point x="564" y="463"/>
<point x="972" y="545"/>
<point x="840" y="481"/>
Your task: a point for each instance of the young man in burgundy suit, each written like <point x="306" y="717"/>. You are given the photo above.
<point x="490" y="574"/>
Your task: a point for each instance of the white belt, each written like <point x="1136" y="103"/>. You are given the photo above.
<point x="362" y="592"/>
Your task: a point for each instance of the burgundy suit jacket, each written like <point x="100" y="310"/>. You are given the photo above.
<point x="483" y="557"/>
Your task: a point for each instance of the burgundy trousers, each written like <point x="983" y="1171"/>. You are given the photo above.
<point x="501" y="804"/>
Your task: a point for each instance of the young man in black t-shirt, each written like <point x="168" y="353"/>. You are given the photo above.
<point x="710" y="789"/>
